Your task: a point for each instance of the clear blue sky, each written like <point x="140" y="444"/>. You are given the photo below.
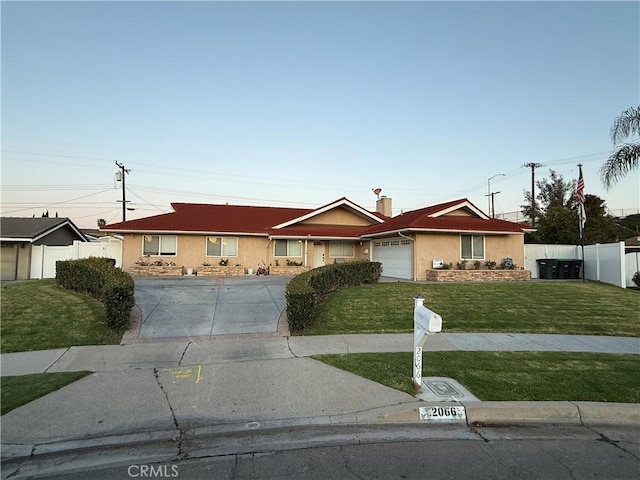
<point x="301" y="103"/>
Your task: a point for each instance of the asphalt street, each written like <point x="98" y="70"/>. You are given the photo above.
<point x="544" y="452"/>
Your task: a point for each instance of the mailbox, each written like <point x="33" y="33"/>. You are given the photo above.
<point x="425" y="319"/>
<point x="425" y="323"/>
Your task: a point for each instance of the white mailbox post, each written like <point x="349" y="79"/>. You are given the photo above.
<point x="425" y="323"/>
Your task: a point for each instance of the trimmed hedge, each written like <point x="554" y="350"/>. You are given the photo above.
<point x="304" y="289"/>
<point x="99" y="278"/>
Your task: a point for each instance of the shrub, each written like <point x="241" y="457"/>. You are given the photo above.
<point x="304" y="289"/>
<point x="490" y="264"/>
<point x="636" y="278"/>
<point x="462" y="265"/>
<point x="99" y="278"/>
<point x="301" y="301"/>
<point x="477" y="265"/>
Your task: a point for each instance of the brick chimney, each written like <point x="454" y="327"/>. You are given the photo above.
<point x="383" y="206"/>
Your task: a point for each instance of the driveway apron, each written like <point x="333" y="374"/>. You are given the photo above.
<point x="205" y="306"/>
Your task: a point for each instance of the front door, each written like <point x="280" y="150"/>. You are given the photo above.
<point x="318" y="254"/>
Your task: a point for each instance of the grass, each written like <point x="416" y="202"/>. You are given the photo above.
<point x="585" y="308"/>
<point x="16" y="391"/>
<point x="508" y="376"/>
<point x="38" y="315"/>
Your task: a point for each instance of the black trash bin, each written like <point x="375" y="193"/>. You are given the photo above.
<point x="564" y="268"/>
<point x="547" y="268"/>
<point x="543" y="268"/>
<point x="575" y="269"/>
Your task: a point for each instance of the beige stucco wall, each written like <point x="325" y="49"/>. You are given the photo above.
<point x="191" y="252"/>
<point x="447" y="246"/>
<point x="461" y="212"/>
<point x="338" y="216"/>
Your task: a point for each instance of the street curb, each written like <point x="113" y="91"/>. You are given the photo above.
<point x="526" y="413"/>
<point x="477" y="413"/>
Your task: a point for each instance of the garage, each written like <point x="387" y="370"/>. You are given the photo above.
<point x="8" y="260"/>
<point x="395" y="256"/>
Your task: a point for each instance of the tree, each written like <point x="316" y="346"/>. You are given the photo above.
<point x="552" y="192"/>
<point x="559" y="224"/>
<point x="600" y="226"/>
<point x="624" y="157"/>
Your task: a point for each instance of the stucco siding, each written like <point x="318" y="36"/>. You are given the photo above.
<point x="338" y="216"/>
<point x="191" y="252"/>
<point x="447" y="246"/>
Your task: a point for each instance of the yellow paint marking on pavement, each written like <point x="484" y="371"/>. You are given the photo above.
<point x="182" y="373"/>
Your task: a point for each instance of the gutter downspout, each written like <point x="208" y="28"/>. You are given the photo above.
<point x="413" y="256"/>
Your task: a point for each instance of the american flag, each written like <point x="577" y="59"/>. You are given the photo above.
<point x="580" y="197"/>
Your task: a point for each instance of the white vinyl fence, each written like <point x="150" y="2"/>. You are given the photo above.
<point x="44" y="257"/>
<point x="605" y="262"/>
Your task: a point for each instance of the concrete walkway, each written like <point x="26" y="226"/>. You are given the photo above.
<point x="170" y="391"/>
<point x="242" y="348"/>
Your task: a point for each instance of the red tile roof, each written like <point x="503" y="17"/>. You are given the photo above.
<point x="198" y="217"/>
<point x="432" y="218"/>
<point x="206" y="218"/>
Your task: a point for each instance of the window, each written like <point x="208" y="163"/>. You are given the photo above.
<point x="339" y="248"/>
<point x="288" y="248"/>
<point x="222" y="247"/>
<point x="159" y="245"/>
<point x="472" y="247"/>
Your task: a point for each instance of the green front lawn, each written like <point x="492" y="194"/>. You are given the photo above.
<point x="16" y="391"/>
<point x="580" y="308"/>
<point x="38" y="315"/>
<point x="508" y="376"/>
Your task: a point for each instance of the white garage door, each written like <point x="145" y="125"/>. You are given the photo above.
<point x="395" y="256"/>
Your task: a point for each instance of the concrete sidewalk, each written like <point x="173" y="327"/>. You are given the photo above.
<point x="172" y="391"/>
<point x="242" y="348"/>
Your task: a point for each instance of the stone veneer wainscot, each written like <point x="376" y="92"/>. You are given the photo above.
<point x="220" y="271"/>
<point x="156" y="271"/>
<point x="478" y="275"/>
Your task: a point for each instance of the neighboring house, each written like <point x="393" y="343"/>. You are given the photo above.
<point x="18" y="235"/>
<point x="407" y="245"/>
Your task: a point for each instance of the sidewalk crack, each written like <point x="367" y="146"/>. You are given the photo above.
<point x="57" y="360"/>
<point x="290" y="350"/>
<point x="183" y="354"/>
<point x="181" y="454"/>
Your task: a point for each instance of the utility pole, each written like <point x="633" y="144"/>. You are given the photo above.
<point x="492" y="208"/>
<point x="489" y="186"/>
<point x="533" y="167"/>
<point x="123" y="172"/>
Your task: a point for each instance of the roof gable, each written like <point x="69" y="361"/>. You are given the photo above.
<point x="442" y="217"/>
<point x="341" y="203"/>
<point x="33" y="229"/>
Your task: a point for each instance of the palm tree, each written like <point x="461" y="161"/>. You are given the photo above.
<point x="624" y="157"/>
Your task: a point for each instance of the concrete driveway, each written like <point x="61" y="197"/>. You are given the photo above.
<point x="205" y="306"/>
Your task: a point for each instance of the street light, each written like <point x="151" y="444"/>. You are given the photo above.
<point x="489" y="187"/>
